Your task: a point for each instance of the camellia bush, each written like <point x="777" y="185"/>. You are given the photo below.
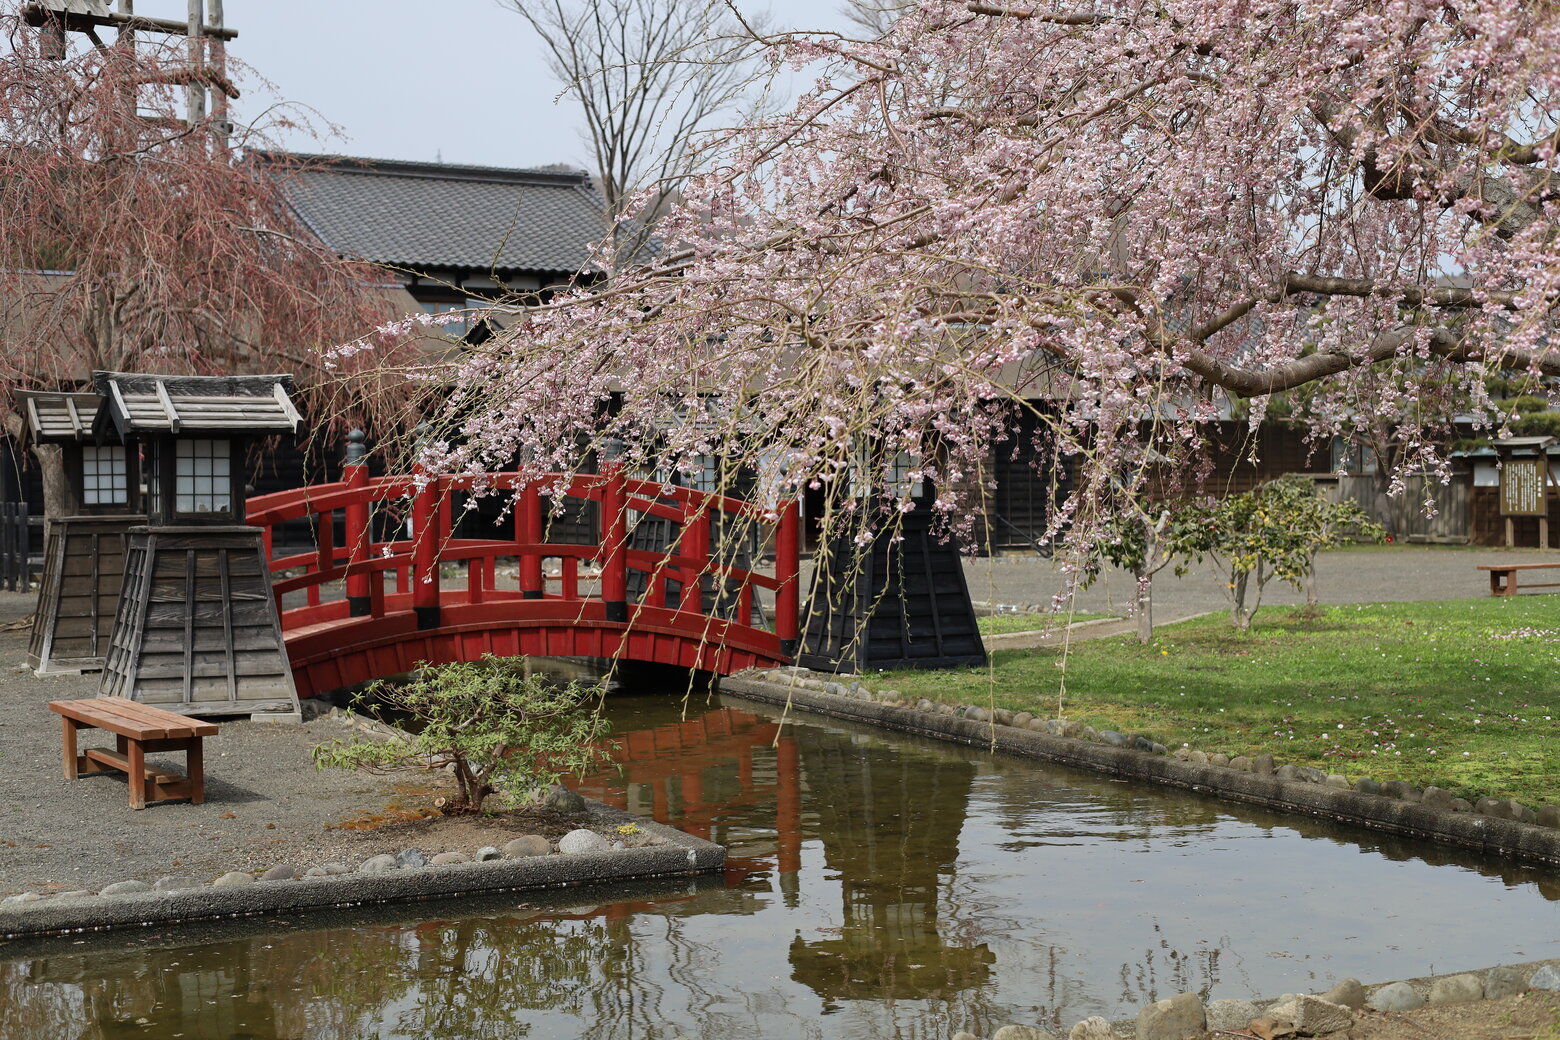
<point x="499" y="731"/>
<point x="1272" y="532"/>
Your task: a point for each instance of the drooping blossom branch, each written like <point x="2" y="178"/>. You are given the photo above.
<point x="1128" y="217"/>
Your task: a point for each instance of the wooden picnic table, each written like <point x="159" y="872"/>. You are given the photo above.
<point x="1503" y="577"/>
<point x="139" y="728"/>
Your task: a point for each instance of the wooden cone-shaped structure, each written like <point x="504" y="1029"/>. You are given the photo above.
<point x="197" y="629"/>
<point x="83" y="551"/>
<point x="895" y="604"/>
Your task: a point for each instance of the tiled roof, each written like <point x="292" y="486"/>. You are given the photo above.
<point x="432" y="215"/>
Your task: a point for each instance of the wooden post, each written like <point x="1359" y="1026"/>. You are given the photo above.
<point x="218" y="56"/>
<point x="528" y="531"/>
<point x="788" y="805"/>
<point x="788" y="596"/>
<point x="359" y="585"/>
<point x="1543" y="518"/>
<point x="614" y="544"/>
<point x="195" y="92"/>
<point x="695" y="545"/>
<point x="425" y="556"/>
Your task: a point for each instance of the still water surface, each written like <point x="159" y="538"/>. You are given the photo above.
<point x="878" y="886"/>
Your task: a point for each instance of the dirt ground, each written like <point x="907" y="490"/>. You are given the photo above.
<point x="266" y="804"/>
<point x="1530" y="1016"/>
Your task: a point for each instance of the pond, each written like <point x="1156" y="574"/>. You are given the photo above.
<point x="878" y="886"/>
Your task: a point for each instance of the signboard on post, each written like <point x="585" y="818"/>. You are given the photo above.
<point x="1522" y="487"/>
<point x="1524" y="482"/>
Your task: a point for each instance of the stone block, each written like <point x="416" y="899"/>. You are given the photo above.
<point x="1403" y="792"/>
<point x="1313" y="1016"/>
<point x="1230" y="1016"/>
<point x="1496" y="807"/>
<point x="1395" y="996"/>
<point x="1504" y="982"/>
<point x="1263" y="765"/>
<point x="1547" y="977"/>
<point x="1016" y="1032"/>
<point x="1456" y="989"/>
<point x="582" y="840"/>
<point x="1179" y="1018"/>
<point x="1347" y="992"/>
<point x="1093" y="1028"/>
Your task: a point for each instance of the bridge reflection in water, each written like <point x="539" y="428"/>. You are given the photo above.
<point x="884" y="829"/>
<point x="878" y="887"/>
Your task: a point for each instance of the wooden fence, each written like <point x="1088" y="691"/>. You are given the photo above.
<point x="1405" y="514"/>
<point x="15" y="547"/>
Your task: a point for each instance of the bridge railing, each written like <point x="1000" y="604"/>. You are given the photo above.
<point x="423" y="509"/>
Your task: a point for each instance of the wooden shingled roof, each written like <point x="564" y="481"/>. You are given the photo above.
<point x="232" y="405"/>
<point x="56" y="417"/>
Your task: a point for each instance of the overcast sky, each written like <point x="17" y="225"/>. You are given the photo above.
<point x="457" y="80"/>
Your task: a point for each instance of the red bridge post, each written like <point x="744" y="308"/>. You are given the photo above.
<point x="528" y="531"/>
<point x="614" y="543"/>
<point x="355" y="476"/>
<point x="695" y="544"/>
<point x="788" y="596"/>
<point x="425" y="555"/>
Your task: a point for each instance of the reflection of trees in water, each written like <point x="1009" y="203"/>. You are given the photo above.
<point x="889" y="823"/>
<point x="289" y="988"/>
<point x="1163" y="972"/>
<point x="911" y="956"/>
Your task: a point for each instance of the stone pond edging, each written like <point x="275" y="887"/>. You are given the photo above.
<point x="1325" y="1014"/>
<point x="1138" y="759"/>
<point x="677" y="855"/>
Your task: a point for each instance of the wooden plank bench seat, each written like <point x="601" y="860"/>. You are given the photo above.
<point x="1503" y="577"/>
<point x="138" y="728"/>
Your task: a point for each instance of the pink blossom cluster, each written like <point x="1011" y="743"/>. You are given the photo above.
<point x="1132" y="217"/>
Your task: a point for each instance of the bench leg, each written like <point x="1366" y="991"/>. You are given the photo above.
<point x="195" y="771"/>
<point x="137" y="776"/>
<point x="68" y="735"/>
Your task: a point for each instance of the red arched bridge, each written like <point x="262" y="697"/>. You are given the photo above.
<point x="682" y="601"/>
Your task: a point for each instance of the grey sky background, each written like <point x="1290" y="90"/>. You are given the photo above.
<point x="462" y="81"/>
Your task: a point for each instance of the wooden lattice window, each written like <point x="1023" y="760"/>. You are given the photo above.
<point x="203" y="482"/>
<point x="105" y="479"/>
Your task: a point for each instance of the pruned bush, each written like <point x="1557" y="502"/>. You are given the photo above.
<point x="496" y="730"/>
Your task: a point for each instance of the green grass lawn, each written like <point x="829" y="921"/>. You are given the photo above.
<point x="1464" y="694"/>
<point x="1003" y="624"/>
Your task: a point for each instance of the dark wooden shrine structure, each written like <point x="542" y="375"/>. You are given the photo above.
<point x="84" y="549"/>
<point x="900" y="601"/>
<point x="197" y="630"/>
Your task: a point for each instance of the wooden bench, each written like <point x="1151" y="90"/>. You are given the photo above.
<point x="1503" y="577"/>
<point x="139" y="728"/>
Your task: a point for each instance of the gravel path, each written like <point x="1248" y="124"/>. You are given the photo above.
<point x="265" y="802"/>
<point x="1365" y="575"/>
